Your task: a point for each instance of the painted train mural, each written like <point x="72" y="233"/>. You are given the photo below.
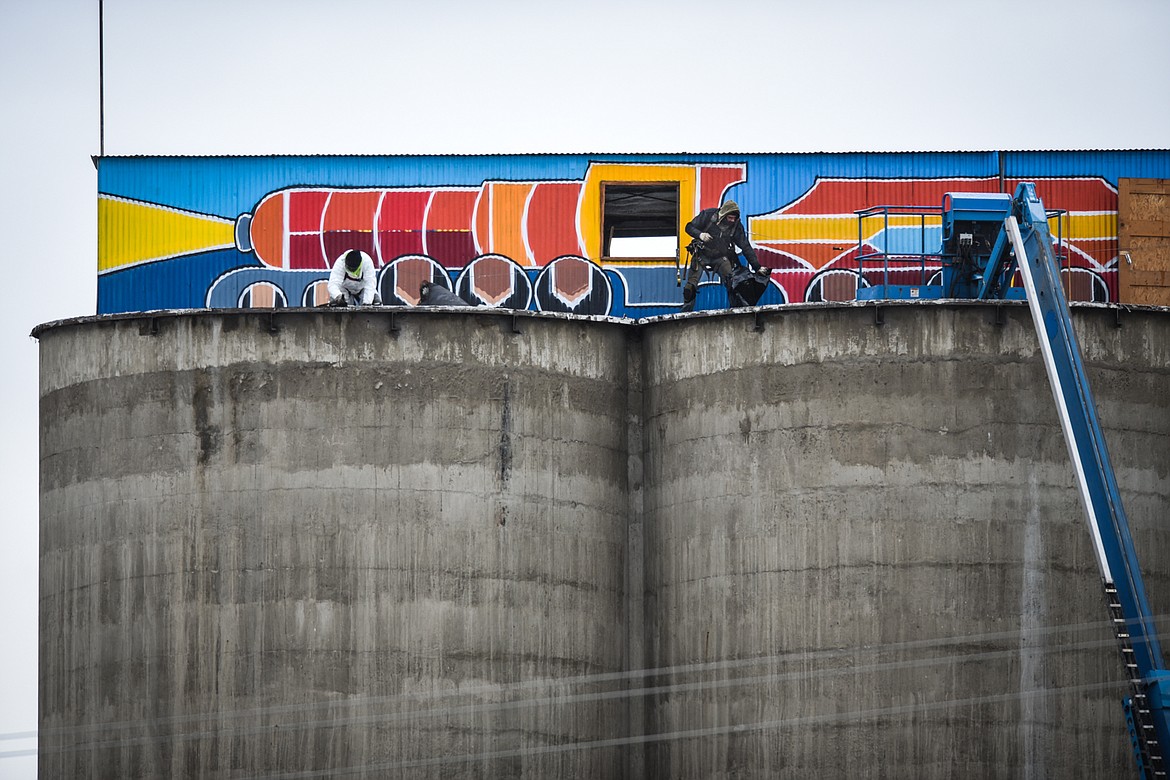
<point x="543" y="232"/>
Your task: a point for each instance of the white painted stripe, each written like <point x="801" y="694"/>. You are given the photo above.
<point x="284" y="241"/>
<point x="321" y="230"/>
<point x="698" y="193"/>
<point x="577" y="222"/>
<point x="529" y="255"/>
<point x="489" y="193"/>
<point x="169" y="209"/>
<point x="378" y="259"/>
<point x="183" y="253"/>
<point x="426" y="249"/>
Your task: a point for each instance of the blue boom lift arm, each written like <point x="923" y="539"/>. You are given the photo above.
<point x="1148" y="709"/>
<point x="986" y="237"/>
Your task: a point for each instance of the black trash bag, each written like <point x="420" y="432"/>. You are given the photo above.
<point x="431" y="294"/>
<point x="746" y="287"/>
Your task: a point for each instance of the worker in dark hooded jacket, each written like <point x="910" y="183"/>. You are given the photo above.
<point x="720" y="238"/>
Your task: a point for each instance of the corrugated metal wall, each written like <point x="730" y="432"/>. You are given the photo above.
<point x="525" y="231"/>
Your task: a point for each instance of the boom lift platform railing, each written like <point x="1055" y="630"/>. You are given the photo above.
<point x="908" y="270"/>
<point x="911" y="262"/>
<point x="986" y="238"/>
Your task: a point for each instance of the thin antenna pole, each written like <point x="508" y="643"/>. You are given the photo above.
<point x="101" y="78"/>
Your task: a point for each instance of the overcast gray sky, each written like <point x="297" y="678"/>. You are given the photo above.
<point x="457" y="76"/>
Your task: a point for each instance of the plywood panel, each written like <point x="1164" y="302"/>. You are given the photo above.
<point x="1143" y="233"/>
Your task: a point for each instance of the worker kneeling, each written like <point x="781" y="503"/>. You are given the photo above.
<point x="353" y="281"/>
<point x="719" y="239"/>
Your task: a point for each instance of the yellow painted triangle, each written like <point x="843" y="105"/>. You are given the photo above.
<point x="131" y="232"/>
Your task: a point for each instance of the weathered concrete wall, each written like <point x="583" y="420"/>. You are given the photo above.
<point x="421" y="544"/>
<point x="868" y="556"/>
<point x="331" y="546"/>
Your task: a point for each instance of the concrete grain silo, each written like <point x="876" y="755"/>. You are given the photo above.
<point x="869" y="558"/>
<point x="329" y="543"/>
<point x="817" y="540"/>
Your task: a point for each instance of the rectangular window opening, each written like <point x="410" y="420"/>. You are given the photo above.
<point x="639" y="220"/>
